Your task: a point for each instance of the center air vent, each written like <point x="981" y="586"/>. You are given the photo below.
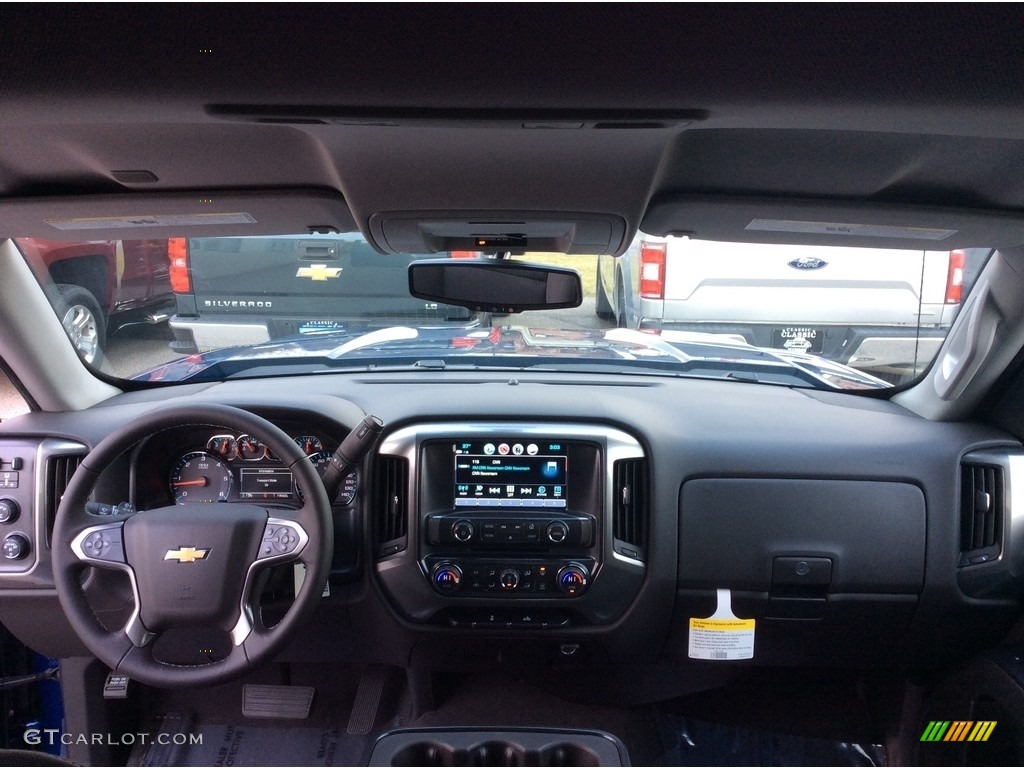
<point x="59" y="471"/>
<point x="982" y="507"/>
<point x="629" y="507"/>
<point x="392" y="504"/>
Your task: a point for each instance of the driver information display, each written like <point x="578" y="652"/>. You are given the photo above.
<point x="510" y="473"/>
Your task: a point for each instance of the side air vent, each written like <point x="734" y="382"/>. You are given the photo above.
<point x="59" y="471"/>
<point x="392" y="507"/>
<point x="629" y="507"/>
<point x="982" y="507"/>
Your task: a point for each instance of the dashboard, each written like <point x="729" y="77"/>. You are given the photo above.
<point x="586" y="515"/>
<point x="236" y="467"/>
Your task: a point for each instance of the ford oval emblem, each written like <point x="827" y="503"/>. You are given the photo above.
<point x="808" y="262"/>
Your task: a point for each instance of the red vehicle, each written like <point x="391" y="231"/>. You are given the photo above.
<point x="101" y="285"/>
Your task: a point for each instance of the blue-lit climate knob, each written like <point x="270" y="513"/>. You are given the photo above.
<point x="447" y="577"/>
<point x="573" y="579"/>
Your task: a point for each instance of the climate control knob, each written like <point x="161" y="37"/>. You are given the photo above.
<point x="447" y="577"/>
<point x="573" y="579"/>
<point x="16" y="547"/>
<point x="463" y="530"/>
<point x="557" y="532"/>
<point x="509" y="579"/>
<point x="9" y="511"/>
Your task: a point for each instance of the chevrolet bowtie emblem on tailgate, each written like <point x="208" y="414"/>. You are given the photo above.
<point x="186" y="554"/>
<point x="318" y="272"/>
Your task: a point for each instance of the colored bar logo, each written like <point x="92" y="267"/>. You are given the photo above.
<point x="958" y="730"/>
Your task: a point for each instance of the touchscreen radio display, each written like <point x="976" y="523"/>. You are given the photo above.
<point x="510" y="473"/>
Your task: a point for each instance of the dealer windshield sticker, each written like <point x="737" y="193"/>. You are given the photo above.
<point x="156" y="220"/>
<point x="722" y="636"/>
<point x="850" y="230"/>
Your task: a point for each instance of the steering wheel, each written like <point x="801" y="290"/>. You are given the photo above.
<point x="191" y="565"/>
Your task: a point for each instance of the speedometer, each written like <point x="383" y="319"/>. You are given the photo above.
<point x="200" y="477"/>
<point x="349" y="485"/>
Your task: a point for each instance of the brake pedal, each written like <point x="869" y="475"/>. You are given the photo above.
<point x="289" y="702"/>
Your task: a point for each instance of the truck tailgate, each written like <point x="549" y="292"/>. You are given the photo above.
<point x="730" y="282"/>
<point x="328" y="277"/>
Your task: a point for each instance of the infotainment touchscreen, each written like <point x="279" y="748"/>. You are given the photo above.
<point x="510" y="473"/>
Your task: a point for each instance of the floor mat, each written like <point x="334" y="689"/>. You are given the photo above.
<point x="702" y="743"/>
<point x="179" y="741"/>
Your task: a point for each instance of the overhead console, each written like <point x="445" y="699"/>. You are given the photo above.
<point x="518" y="232"/>
<point x="508" y="525"/>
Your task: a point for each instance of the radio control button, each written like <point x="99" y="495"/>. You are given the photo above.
<point x="463" y="530"/>
<point x="557" y="532"/>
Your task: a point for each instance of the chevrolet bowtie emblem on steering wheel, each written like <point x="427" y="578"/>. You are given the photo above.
<point x="318" y="272"/>
<point x="186" y="554"/>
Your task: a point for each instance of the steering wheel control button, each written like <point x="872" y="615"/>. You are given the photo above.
<point x="572" y="580"/>
<point x="104" y="544"/>
<point x="447" y="578"/>
<point x="9" y="511"/>
<point x="279" y="540"/>
<point x="16" y="547"/>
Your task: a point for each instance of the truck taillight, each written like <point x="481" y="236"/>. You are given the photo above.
<point x="955" y="278"/>
<point x="652" y="270"/>
<point x="177" y="252"/>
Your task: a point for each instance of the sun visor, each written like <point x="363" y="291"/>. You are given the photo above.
<point x="134" y="216"/>
<point x="491" y="231"/>
<point x="827" y="222"/>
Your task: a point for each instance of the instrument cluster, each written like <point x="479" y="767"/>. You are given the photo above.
<point x="242" y="468"/>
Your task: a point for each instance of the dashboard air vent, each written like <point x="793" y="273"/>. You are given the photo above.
<point x="392" y="508"/>
<point x="59" y="471"/>
<point x="982" y="504"/>
<point x="629" y="507"/>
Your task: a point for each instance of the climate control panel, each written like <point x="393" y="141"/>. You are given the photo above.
<point x="505" y="577"/>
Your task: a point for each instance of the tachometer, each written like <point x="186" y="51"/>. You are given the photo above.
<point x="200" y="477"/>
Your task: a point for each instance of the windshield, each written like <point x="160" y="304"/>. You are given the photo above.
<point x="203" y="309"/>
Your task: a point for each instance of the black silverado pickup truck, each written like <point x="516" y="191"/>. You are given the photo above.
<point x="291" y="286"/>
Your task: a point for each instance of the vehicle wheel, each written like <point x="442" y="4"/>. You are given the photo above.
<point x="620" y="303"/>
<point x="83" y="320"/>
<point x="192" y="567"/>
<point x="602" y="306"/>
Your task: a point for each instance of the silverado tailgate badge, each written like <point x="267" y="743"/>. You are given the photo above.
<point x="319" y="272"/>
<point x="807" y="262"/>
<point x="186" y="554"/>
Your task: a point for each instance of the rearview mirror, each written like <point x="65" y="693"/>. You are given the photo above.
<point x="489" y="285"/>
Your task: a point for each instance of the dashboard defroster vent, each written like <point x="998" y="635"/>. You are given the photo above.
<point x="392" y="507"/>
<point x="629" y="507"/>
<point x="59" y="471"/>
<point x="982" y="507"/>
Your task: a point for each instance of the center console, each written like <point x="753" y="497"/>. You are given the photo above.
<point x="512" y="525"/>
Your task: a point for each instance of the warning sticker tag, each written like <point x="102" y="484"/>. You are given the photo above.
<point x="722" y="636"/>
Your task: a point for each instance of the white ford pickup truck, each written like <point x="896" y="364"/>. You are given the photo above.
<point x="883" y="309"/>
